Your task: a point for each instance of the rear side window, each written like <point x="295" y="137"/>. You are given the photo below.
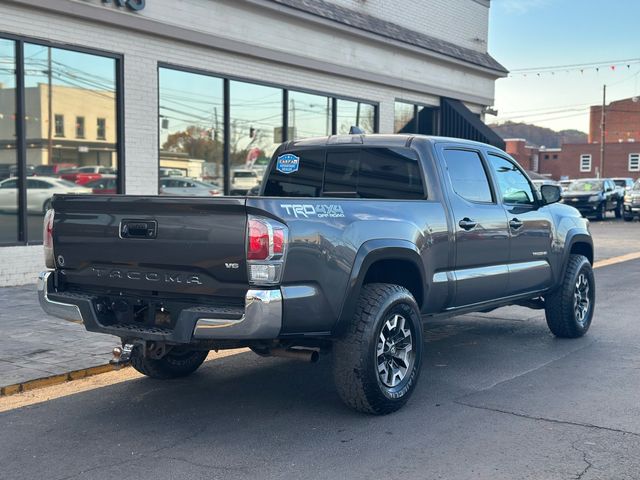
<point x="468" y="176"/>
<point x="390" y="173"/>
<point x="384" y="173"/>
<point x="305" y="182"/>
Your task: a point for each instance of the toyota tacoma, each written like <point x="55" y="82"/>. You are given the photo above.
<point x="351" y="244"/>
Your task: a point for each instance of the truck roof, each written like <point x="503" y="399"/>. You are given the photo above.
<point x="375" y="139"/>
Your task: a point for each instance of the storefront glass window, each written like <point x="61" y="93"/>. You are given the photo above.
<point x="356" y="114"/>
<point x="256" y="123"/>
<point x="191" y="122"/>
<point x="309" y="115"/>
<point x="60" y="87"/>
<point x="8" y="158"/>
<point x="404" y="121"/>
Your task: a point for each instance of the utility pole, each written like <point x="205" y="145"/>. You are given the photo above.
<point x="50" y="104"/>
<point x="602" y="126"/>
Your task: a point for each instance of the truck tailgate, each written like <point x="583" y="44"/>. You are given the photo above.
<point x="183" y="245"/>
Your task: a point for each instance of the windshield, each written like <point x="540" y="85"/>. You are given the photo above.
<point x="244" y="174"/>
<point x="585" y="186"/>
<point x="621" y="183"/>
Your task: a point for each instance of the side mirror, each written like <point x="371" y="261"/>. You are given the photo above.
<point x="550" y="194"/>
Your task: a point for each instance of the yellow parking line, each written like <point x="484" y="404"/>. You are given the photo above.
<point x="42" y="390"/>
<point x="614" y="260"/>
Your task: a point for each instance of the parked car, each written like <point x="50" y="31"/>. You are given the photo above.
<point x="594" y="197"/>
<point x="539" y="182"/>
<point x="625" y="182"/>
<point x="39" y="193"/>
<point x="52" y="170"/>
<point x="86" y="174"/>
<point x="106" y="184"/>
<point x="564" y="184"/>
<point x="189" y="187"/>
<point x="171" y="172"/>
<point x="11" y="170"/>
<point x="632" y="202"/>
<point x="366" y="237"/>
<point x="243" y="180"/>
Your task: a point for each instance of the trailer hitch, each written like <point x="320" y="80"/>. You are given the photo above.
<point x="122" y="355"/>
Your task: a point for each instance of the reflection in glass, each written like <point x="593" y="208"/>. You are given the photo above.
<point x="410" y="118"/>
<point x="191" y="124"/>
<point x="357" y="114"/>
<point x="8" y="159"/>
<point x="256" y="131"/>
<point x="62" y="86"/>
<point x="309" y="115"/>
<point x="403" y="118"/>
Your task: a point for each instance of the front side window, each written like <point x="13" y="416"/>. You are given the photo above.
<point x="467" y="174"/>
<point x="513" y="184"/>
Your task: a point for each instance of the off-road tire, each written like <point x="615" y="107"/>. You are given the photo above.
<point x="560" y="305"/>
<point x="172" y="365"/>
<point x="628" y="218"/>
<point x="355" y="355"/>
<point x="618" y="210"/>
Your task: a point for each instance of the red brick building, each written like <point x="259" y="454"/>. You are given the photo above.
<point x="582" y="160"/>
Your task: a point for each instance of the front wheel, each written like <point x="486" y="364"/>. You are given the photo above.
<point x="628" y="218"/>
<point x="377" y="362"/>
<point x="175" y="364"/>
<point x="569" y="309"/>
<point x="602" y="211"/>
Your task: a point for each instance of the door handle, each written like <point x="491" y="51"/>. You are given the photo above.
<point x="467" y="223"/>
<point x="515" y="224"/>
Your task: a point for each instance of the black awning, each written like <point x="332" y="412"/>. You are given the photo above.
<point x="456" y="120"/>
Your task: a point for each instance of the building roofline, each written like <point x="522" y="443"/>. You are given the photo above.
<point x="380" y="29"/>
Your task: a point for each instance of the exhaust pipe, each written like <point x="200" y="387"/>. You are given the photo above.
<point x="305" y="355"/>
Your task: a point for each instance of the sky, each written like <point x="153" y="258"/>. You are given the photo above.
<point x="527" y="34"/>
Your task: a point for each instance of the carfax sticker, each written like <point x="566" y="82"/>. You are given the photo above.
<point x="288" y="163"/>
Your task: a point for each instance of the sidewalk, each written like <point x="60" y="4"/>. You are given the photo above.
<point x="34" y="345"/>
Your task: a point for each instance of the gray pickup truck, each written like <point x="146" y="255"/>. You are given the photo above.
<point x="352" y="242"/>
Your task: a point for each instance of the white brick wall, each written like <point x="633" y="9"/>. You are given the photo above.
<point x="143" y="52"/>
<point x="469" y="18"/>
<point x="20" y="265"/>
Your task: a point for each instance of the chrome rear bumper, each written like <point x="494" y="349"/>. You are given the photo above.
<point x="66" y="311"/>
<point x="260" y="320"/>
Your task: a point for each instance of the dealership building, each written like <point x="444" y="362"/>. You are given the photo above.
<point x="166" y="92"/>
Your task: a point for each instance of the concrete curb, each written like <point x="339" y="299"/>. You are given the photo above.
<point x="54" y="380"/>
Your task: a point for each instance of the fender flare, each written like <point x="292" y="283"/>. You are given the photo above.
<point x="575" y="235"/>
<point x="370" y="252"/>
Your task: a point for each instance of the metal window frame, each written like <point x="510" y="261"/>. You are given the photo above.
<point x="20" y="126"/>
<point x="416" y="107"/>
<point x="636" y="158"/>
<point x="584" y="156"/>
<point x="285" y="88"/>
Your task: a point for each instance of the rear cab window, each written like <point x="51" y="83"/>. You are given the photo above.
<point x="350" y="172"/>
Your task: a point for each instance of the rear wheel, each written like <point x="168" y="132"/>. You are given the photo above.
<point x="377" y="362"/>
<point x="569" y="309"/>
<point x="628" y="218"/>
<point x="619" y="210"/>
<point x="175" y="364"/>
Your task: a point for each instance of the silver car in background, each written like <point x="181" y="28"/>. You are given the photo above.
<point x="189" y="187"/>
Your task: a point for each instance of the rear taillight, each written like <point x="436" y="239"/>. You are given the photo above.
<point x="47" y="236"/>
<point x="266" y="249"/>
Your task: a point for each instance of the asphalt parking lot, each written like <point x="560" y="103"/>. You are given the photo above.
<point x="499" y="398"/>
